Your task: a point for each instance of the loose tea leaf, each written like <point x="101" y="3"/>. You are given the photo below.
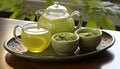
<point x="65" y="37"/>
<point x="87" y="34"/>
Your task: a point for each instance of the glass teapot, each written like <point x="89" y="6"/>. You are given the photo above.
<point x="59" y="18"/>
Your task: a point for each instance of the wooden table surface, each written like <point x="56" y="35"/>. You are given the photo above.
<point x="109" y="59"/>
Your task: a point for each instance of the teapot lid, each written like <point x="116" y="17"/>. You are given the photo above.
<point x="56" y="10"/>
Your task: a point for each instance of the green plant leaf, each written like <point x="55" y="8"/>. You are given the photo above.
<point x="91" y="23"/>
<point x="18" y="15"/>
<point x="97" y="20"/>
<point x="30" y="16"/>
<point x="8" y="4"/>
<point x="75" y="2"/>
<point x="111" y="8"/>
<point x="89" y="5"/>
<point x="22" y="17"/>
<point x="5" y="4"/>
<point x="15" y="6"/>
<point x="95" y="16"/>
<point x="118" y="14"/>
<point x="94" y="4"/>
<point x="13" y="16"/>
<point x="69" y="9"/>
<point x="107" y="24"/>
<point x="49" y="3"/>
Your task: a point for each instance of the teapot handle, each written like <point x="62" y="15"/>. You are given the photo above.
<point x="38" y="13"/>
<point x="80" y="19"/>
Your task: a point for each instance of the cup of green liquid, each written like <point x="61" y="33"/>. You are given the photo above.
<point x="33" y="38"/>
<point x="90" y="38"/>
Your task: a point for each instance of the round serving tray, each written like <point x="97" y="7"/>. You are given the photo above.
<point x="17" y="49"/>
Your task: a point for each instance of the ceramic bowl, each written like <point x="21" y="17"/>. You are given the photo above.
<point x="90" y="38"/>
<point x="65" y="43"/>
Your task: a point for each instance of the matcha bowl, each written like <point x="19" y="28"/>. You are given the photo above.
<point x="65" y="43"/>
<point x="90" y="38"/>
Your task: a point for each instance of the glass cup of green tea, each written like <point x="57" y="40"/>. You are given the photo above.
<point x="33" y="38"/>
<point x="89" y="39"/>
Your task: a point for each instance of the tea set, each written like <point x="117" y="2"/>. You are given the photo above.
<point x="56" y="28"/>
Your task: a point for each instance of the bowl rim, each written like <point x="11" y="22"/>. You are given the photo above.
<point x="65" y="41"/>
<point x="100" y="34"/>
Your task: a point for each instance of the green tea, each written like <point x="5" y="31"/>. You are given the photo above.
<point x="36" y="40"/>
<point x="58" y="25"/>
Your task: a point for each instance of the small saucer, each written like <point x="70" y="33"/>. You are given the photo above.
<point x="17" y="49"/>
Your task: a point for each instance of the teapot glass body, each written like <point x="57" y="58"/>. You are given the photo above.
<point x="58" y="24"/>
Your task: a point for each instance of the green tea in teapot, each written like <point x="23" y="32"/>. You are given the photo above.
<point x="58" y="25"/>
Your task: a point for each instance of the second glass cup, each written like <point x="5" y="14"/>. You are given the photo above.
<point x="33" y="38"/>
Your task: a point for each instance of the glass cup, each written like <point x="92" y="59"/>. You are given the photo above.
<point x="33" y="38"/>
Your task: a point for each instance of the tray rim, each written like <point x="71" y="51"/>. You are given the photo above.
<point x="60" y="58"/>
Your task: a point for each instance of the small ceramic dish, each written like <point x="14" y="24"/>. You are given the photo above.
<point x="90" y="38"/>
<point x="65" y="43"/>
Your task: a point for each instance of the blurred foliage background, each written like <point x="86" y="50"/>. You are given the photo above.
<point x="96" y="10"/>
